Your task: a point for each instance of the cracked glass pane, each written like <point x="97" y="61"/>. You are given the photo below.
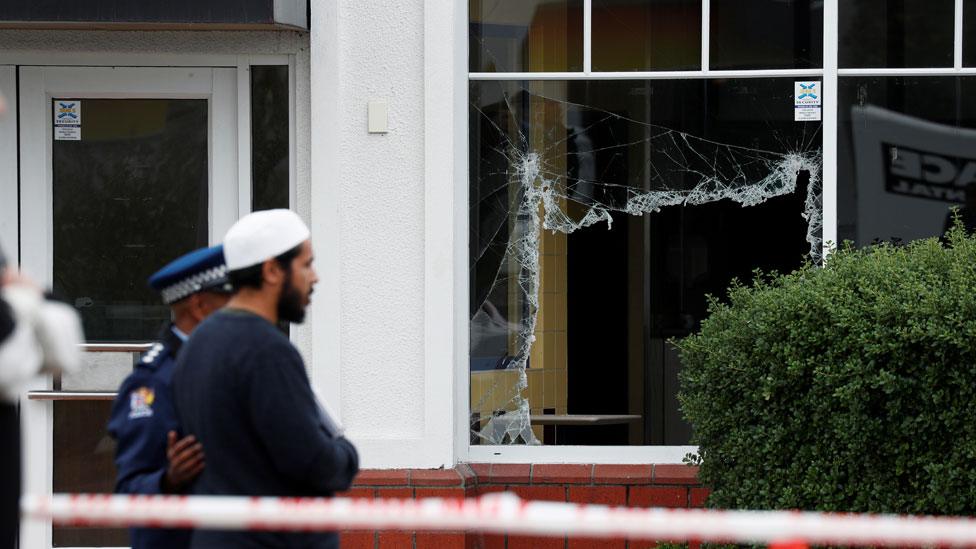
<point x="601" y="213"/>
<point x="525" y="35"/>
<point x="905" y="156"/>
<point x="646" y="35"/>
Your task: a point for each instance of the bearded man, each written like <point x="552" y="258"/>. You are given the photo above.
<point x="242" y="390"/>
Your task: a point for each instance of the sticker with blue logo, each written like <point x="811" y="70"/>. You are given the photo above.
<point x="67" y="120"/>
<point x="807" y="101"/>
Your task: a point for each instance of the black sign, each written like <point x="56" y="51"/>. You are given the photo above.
<point x="927" y="174"/>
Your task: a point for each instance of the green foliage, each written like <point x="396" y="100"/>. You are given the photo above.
<point x="847" y="387"/>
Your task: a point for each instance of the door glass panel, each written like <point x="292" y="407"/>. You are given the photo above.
<point x="129" y="195"/>
<point x="269" y="137"/>
<point x="896" y="33"/>
<point x="83" y="462"/>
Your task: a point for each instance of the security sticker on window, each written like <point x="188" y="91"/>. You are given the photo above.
<point x="67" y="112"/>
<point x="67" y="120"/>
<point x="807" y="101"/>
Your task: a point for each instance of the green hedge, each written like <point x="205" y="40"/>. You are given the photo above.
<point x="850" y="387"/>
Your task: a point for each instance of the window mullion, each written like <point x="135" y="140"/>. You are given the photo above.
<point x="587" y="36"/>
<point x="705" y="25"/>
<point x="958" y="38"/>
<point x="830" y="106"/>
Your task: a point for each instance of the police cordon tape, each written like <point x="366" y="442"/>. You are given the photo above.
<point x="499" y="513"/>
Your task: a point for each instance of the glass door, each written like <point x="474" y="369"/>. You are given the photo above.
<point x="122" y="169"/>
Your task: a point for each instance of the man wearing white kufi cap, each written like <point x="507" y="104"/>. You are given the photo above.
<point x="242" y="390"/>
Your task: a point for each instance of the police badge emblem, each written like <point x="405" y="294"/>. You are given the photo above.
<point x="140" y="402"/>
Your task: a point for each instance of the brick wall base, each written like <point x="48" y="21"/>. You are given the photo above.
<point x="623" y="485"/>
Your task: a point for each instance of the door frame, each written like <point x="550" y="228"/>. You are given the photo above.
<point x="9" y="224"/>
<point x="38" y="86"/>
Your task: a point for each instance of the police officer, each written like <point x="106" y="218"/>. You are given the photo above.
<point x="150" y="456"/>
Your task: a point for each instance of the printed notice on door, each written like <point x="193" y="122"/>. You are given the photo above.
<point x="67" y="120"/>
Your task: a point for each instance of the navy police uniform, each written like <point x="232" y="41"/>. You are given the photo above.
<point x="141" y="417"/>
<point x="143" y="412"/>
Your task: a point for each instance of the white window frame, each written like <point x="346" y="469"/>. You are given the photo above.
<point x="25" y="228"/>
<point x="829" y="74"/>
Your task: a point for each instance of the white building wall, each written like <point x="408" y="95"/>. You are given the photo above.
<point x="385" y="342"/>
<point x="386" y="337"/>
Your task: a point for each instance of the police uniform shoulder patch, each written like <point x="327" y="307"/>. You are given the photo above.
<point x="152" y="353"/>
<point x="140" y="402"/>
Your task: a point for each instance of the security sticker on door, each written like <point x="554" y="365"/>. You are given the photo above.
<point x="67" y="120"/>
<point x="807" y="101"/>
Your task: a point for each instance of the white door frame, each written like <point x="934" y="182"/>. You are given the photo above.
<point x="8" y="159"/>
<point x="38" y="87"/>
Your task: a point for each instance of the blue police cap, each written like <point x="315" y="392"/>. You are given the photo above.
<point x="199" y="270"/>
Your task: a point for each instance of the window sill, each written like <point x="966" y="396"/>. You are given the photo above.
<point x="579" y="454"/>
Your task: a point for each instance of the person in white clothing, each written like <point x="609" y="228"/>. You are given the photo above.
<point x="37" y="335"/>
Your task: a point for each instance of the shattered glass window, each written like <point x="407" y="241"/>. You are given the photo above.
<point x="525" y="35"/>
<point x="646" y="35"/>
<point x="906" y="156"/>
<point x="903" y="33"/>
<point x="766" y="34"/>
<point x="601" y="214"/>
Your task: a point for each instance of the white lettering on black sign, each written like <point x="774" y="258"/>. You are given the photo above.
<point x="929" y="175"/>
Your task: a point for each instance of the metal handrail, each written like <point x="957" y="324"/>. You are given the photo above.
<point x="115" y="347"/>
<point x="51" y="395"/>
<point x="71" y="395"/>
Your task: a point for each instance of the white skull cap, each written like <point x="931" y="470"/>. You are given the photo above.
<point x="260" y="236"/>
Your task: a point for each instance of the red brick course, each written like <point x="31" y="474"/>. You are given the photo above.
<point x="360" y="493"/>
<point x="675" y="474"/>
<point x="485" y="541"/>
<point x="510" y="473"/>
<point x="382" y="477"/>
<point x="358" y="540"/>
<point x="657" y="496"/>
<point x="622" y="474"/>
<point x="638" y="485"/>
<point x="590" y="543"/>
<point x="540" y="493"/>
<point x="562" y="474"/>
<point x="698" y="497"/>
<point x="448" y="493"/>
<point x="480" y="470"/>
<point x="598" y="495"/>
<point x="440" y="540"/>
<point x="403" y="493"/>
<point x="395" y="540"/>
<point x="435" y="477"/>
<point x="532" y="542"/>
